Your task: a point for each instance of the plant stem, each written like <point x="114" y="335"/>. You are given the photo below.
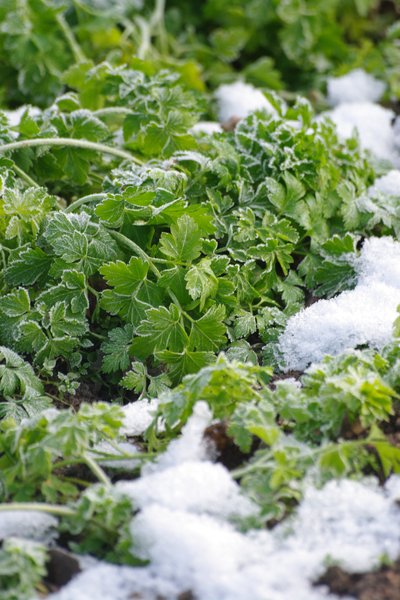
<point x="25" y="176"/>
<point x="70" y="37"/>
<point x="112" y="110"/>
<point x="157" y="25"/>
<point x="103" y="456"/>
<point x="72" y="142"/>
<point x="137" y="249"/>
<point x="54" y="509"/>
<point x="96" y="469"/>
<point x="97" y="335"/>
<point x="84" y="200"/>
<point x="94" y="292"/>
<point x="77" y="481"/>
<point x="145" y="41"/>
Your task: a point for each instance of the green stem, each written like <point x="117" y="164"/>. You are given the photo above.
<point x="103" y="456"/>
<point x="137" y="249"/>
<point x="96" y="469"/>
<point x="77" y="481"/>
<point x="25" y="176"/>
<point x="157" y="25"/>
<point x="70" y="37"/>
<point x="72" y="142"/>
<point x="112" y="110"/>
<point x="84" y="200"/>
<point x="94" y="292"/>
<point x="145" y="38"/>
<point x="311" y="453"/>
<point x="54" y="509"/>
<point x="98" y="335"/>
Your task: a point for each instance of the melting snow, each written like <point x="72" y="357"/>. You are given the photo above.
<point x="356" y="86"/>
<point x="388" y="184"/>
<point x="190" y="446"/>
<point x="138" y="416"/>
<point x="239" y="100"/>
<point x="31" y="525"/>
<point x="199" y="487"/>
<point x="373" y="124"/>
<point x="124" y="448"/>
<point x="208" y="127"/>
<point x="184" y="531"/>
<point x="182" y="478"/>
<point x="351" y="523"/>
<point x="364" y="315"/>
<point x="14" y="116"/>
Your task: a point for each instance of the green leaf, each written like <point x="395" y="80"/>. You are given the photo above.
<point x="245" y="324"/>
<point x="22" y="213"/>
<point x="72" y="290"/>
<point x="185" y="362"/>
<point x="135" y="379"/>
<point x="117" y="349"/>
<point x="161" y="330"/>
<point x="183" y="244"/>
<point x="79" y="242"/>
<point x="208" y="332"/>
<point x="29" y="266"/>
<point x="133" y="292"/>
<point x="125" y="278"/>
<point x="17" y="304"/>
<point x="87" y="126"/>
<point x="201" y="282"/>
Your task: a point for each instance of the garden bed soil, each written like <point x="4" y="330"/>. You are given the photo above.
<point x="383" y="584"/>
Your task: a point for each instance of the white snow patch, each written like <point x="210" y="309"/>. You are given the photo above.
<point x="32" y="525"/>
<point x="364" y="315"/>
<point x="353" y="524"/>
<point x="396" y="132"/>
<point x="110" y="582"/>
<point x="372" y="122"/>
<point x="387" y="184"/>
<point x="182" y="478"/>
<point x="124" y="448"/>
<point x="197" y="487"/>
<point x="381" y="201"/>
<point x="14" y="116"/>
<point x="208" y="127"/>
<point x="185" y="530"/>
<point x="356" y="86"/>
<point x="349" y="522"/>
<point x="190" y="446"/>
<point x="138" y="416"/>
<point x="239" y="99"/>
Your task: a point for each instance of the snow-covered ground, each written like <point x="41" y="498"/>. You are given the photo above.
<point x="354" y="98"/>
<point x="355" y="86"/>
<point x="187" y="528"/>
<point x="364" y="315"/>
<point x="238" y="100"/>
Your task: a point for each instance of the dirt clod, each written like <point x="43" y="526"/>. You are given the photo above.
<point x="383" y="584"/>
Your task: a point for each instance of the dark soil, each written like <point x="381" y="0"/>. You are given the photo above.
<point x="378" y="585"/>
<point x="392" y="428"/>
<point x="62" y="567"/>
<point x="227" y="452"/>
